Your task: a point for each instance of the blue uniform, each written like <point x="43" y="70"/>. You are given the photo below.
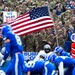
<point x="61" y="51"/>
<point x="64" y="53"/>
<point x="68" y="62"/>
<point x="39" y="67"/>
<point x="13" y="47"/>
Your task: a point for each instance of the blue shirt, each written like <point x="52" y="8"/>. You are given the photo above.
<point x="68" y="62"/>
<point x="34" y="67"/>
<point x="64" y="53"/>
<point x="14" y="46"/>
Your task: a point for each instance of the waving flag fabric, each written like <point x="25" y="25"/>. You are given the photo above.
<point x="32" y="21"/>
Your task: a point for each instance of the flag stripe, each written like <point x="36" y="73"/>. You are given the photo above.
<point x="31" y="22"/>
<point x="25" y="33"/>
<point x="34" y="29"/>
<point x="20" y="17"/>
<point x="20" y="20"/>
<point x="32" y="26"/>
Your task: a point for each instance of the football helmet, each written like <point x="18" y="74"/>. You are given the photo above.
<point x="52" y="57"/>
<point x="58" y="49"/>
<point x="2" y="72"/>
<point x="6" y="29"/>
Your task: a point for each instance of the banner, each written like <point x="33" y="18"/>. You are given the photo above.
<point x="30" y="55"/>
<point x="9" y="16"/>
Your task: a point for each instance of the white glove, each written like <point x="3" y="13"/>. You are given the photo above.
<point x="61" y="68"/>
<point x="1" y="56"/>
<point x="3" y="50"/>
<point x="1" y="63"/>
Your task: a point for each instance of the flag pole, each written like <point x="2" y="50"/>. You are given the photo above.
<point x="54" y="26"/>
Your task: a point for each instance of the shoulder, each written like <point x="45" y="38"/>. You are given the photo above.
<point x="9" y="35"/>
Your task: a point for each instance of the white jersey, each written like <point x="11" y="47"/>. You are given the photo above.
<point x="42" y="53"/>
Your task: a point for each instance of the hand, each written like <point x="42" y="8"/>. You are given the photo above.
<point x="2" y="62"/>
<point x="1" y="56"/>
<point x="3" y="50"/>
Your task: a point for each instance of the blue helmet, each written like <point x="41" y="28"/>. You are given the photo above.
<point x="52" y="57"/>
<point x="58" y="49"/>
<point x="6" y="29"/>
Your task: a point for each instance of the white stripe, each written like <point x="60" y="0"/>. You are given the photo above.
<point x="22" y="16"/>
<point x="19" y="21"/>
<point x="54" y="72"/>
<point x="16" y="65"/>
<point x="28" y="26"/>
<point x="46" y="71"/>
<point x="47" y="62"/>
<point x="30" y="21"/>
<point x="73" y="54"/>
<point x="61" y="68"/>
<point x="16" y="20"/>
<point x="29" y="30"/>
<point x="73" y="48"/>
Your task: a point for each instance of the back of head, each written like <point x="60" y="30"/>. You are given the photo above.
<point x="47" y="48"/>
<point x="58" y="49"/>
<point x="6" y="29"/>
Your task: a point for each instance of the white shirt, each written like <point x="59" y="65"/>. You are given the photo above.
<point x="42" y="53"/>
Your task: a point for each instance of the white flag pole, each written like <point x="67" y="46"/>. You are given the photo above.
<point x="54" y="26"/>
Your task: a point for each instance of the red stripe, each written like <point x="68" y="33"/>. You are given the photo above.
<point x="43" y="24"/>
<point x="31" y="23"/>
<point x="19" y="22"/>
<point x="20" y="17"/>
<point x="35" y="30"/>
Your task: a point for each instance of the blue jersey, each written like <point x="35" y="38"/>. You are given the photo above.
<point x="33" y="66"/>
<point x="64" y="53"/>
<point x="68" y="62"/>
<point x="39" y="67"/>
<point x="15" y="44"/>
<point x="62" y="62"/>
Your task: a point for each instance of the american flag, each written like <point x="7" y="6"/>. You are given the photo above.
<point x="32" y="21"/>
